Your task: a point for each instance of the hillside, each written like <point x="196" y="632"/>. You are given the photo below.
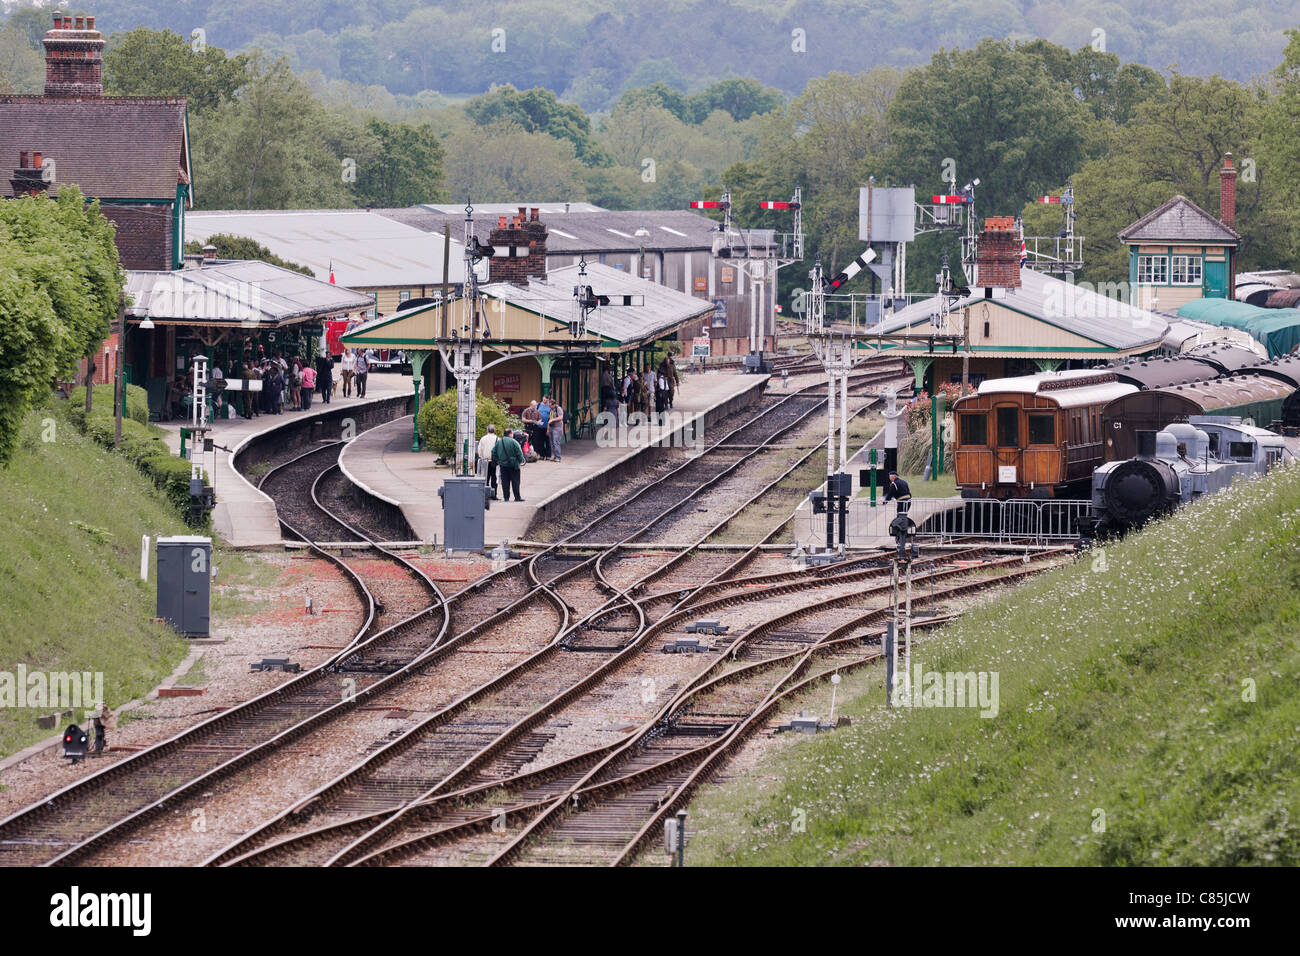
<point x="592" y="49"/>
<point x="1147" y="716"/>
<point x="71" y="517"/>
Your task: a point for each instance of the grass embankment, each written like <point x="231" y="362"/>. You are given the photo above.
<point x="71" y="516"/>
<point x="1148" y="715"/>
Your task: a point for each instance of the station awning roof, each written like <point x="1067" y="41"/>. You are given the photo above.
<point x="236" y="294"/>
<point x="539" y="314"/>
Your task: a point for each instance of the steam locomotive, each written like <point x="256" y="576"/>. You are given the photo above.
<point x="1179" y="463"/>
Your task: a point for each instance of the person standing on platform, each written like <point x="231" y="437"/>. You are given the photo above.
<point x="487" y="467"/>
<point x="555" y="430"/>
<point x="608" y="392"/>
<point x="347" y="368"/>
<point x="532" y="419"/>
<point x="325" y="377"/>
<point x="363" y="372"/>
<point x="308" y="386"/>
<point x="544" y="429"/>
<point x="670" y="373"/>
<point x="509" y="458"/>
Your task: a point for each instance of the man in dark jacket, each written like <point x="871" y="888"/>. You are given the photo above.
<point x="509" y="458"/>
<point x="898" y="490"/>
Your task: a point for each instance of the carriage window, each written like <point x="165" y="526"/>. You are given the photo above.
<point x="1008" y="427"/>
<point x="1042" y="429"/>
<point x="974" y="429"/>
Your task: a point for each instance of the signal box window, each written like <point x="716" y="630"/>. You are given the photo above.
<point x="1008" y="427"/>
<point x="1153" y="270"/>
<point x="1042" y="429"/>
<point x="974" y="430"/>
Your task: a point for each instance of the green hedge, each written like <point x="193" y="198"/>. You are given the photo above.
<point x="437" y="422"/>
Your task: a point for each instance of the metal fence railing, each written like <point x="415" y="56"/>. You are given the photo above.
<point x="944" y="520"/>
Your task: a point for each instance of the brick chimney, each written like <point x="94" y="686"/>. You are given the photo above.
<point x="27" y="179"/>
<point x="74" y="58"/>
<point x="521" y="230"/>
<point x="998" y="254"/>
<point x="1228" y="193"/>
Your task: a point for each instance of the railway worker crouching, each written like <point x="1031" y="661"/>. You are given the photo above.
<point x="105" y="720"/>
<point x="898" y="490"/>
<point x="509" y="458"/>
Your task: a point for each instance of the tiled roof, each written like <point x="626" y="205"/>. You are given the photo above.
<point x="1179" y="220"/>
<point x="112" y="147"/>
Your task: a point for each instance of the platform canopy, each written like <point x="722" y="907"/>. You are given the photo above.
<point x="235" y="294"/>
<point x="537" y="317"/>
<point x="1046" y="318"/>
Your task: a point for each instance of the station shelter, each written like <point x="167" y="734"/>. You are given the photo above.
<point x="229" y="311"/>
<point x="1043" y="325"/>
<point x="533" y="345"/>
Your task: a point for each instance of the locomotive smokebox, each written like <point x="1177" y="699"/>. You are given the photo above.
<point x="1140" y="488"/>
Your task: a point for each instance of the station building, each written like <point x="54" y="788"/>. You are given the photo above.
<point x="526" y="319"/>
<point x="1043" y="325"/>
<point x="1180" y="252"/>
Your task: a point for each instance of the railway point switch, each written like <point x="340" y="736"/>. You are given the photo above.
<point x="275" y="664"/>
<point x="685" y="645"/>
<point x="808" y="724"/>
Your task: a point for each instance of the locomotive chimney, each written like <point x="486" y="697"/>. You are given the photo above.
<point x="1146" y="444"/>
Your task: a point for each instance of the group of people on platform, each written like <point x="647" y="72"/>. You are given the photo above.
<point x="501" y="456"/>
<point x="286" y="384"/>
<point x="650" y="391"/>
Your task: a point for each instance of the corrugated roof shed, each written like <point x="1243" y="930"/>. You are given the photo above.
<point x="1179" y="220"/>
<point x="113" y="148"/>
<point x="597" y="231"/>
<point x="368" y="250"/>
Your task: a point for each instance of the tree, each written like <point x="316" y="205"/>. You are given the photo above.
<point x="275" y="147"/>
<point x="538" y="111"/>
<point x="59" y="288"/>
<point x="161" y="63"/>
<point x="742" y="98"/>
<point x="437" y="423"/>
<point x="21" y="67"/>
<point x="243" y="247"/>
<point x="503" y="163"/>
<point x="407" y="169"/>
<point x="996" y="114"/>
<point x="1176" y="145"/>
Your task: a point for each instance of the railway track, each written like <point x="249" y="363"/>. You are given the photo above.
<point x="404" y="615"/>
<point x="125" y="795"/>
<point x="616" y="787"/>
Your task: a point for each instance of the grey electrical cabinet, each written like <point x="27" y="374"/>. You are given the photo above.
<point x="464" y="508"/>
<point x="185" y="583"/>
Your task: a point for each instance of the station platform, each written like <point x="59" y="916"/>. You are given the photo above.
<point x="381" y="462"/>
<point x="243" y="516"/>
